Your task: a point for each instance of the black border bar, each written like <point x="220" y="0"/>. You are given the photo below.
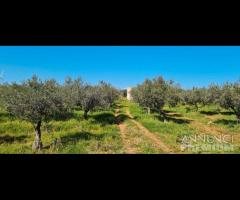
<point x="121" y="40"/>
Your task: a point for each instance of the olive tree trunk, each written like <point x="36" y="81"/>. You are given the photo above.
<point x="37" y="144"/>
<point x="148" y="110"/>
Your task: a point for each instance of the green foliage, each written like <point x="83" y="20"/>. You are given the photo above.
<point x="58" y="107"/>
<point x="108" y="93"/>
<point x="155" y="93"/>
<point x="195" y="97"/>
<point x="72" y="92"/>
<point x="230" y="98"/>
<point x="34" y="100"/>
<point x="102" y="95"/>
<point x="37" y="101"/>
<point x="151" y="93"/>
<point x="173" y="93"/>
<point x="91" y="99"/>
<point x="213" y="94"/>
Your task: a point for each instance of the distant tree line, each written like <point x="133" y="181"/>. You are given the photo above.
<point x="154" y="94"/>
<point x="39" y="101"/>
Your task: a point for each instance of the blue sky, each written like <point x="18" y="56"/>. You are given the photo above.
<point x="123" y="66"/>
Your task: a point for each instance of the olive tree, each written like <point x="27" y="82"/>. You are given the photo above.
<point x="108" y="93"/>
<point x="213" y="94"/>
<point x="151" y="94"/>
<point x="99" y="96"/>
<point x="195" y="96"/>
<point x="173" y="94"/>
<point x="230" y="98"/>
<point x="72" y="92"/>
<point x="91" y="99"/>
<point x="35" y="101"/>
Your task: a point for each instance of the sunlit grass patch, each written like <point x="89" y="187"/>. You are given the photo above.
<point x="179" y="122"/>
<point x="72" y="135"/>
<point x="100" y="132"/>
<point x="139" y="141"/>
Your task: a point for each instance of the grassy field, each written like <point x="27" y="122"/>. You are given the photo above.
<point x="101" y="134"/>
<point x="180" y="121"/>
<point x="98" y="134"/>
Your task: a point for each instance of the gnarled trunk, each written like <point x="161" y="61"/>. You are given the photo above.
<point x="37" y="144"/>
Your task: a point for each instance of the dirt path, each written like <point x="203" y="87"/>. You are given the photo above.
<point x="159" y="144"/>
<point x="123" y="132"/>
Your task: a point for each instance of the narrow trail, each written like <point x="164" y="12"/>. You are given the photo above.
<point x="123" y="132"/>
<point x="159" y="144"/>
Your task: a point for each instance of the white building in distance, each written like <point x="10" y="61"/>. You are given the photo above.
<point x="129" y="96"/>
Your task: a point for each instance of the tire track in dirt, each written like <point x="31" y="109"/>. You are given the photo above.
<point x="159" y="144"/>
<point x="123" y="132"/>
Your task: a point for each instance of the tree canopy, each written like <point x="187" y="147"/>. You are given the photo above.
<point x="39" y="101"/>
<point x="151" y="93"/>
<point x="230" y="98"/>
<point x="35" y="101"/>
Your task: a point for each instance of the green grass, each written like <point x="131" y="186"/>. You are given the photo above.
<point x="134" y="136"/>
<point x="179" y="123"/>
<point x="168" y="132"/>
<point x="211" y="114"/>
<point x="98" y="134"/>
<point x="143" y="144"/>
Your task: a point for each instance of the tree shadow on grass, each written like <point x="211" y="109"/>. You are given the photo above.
<point x="172" y="114"/>
<point x="167" y="111"/>
<point x="115" y="105"/>
<point x="209" y="112"/>
<point x="3" y="117"/>
<point x="11" y="139"/>
<point x="228" y="122"/>
<point x="121" y="118"/>
<point x="67" y="116"/>
<point x="104" y="118"/>
<point x="227" y="113"/>
<point x="178" y="120"/>
<point x="173" y="119"/>
<point x="74" y="138"/>
<point x="109" y="118"/>
<point x="6" y="116"/>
